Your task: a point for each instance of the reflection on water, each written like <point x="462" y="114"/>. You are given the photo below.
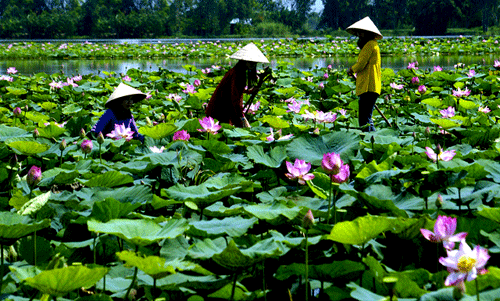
<point x="97" y="66"/>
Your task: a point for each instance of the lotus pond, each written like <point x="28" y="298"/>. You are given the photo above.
<point x="303" y="196"/>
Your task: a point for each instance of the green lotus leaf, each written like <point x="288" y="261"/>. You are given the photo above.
<point x="345" y="269"/>
<point x="274" y="159"/>
<point x="363" y="294"/>
<point x="215" y="146"/>
<point x="435" y="102"/>
<point x="24" y="271"/>
<point x="159" y="131"/>
<point x="275" y="122"/>
<point x="234" y="258"/>
<point x="14" y="226"/>
<point x="58" y="176"/>
<point x="191" y="282"/>
<point x="110" y="208"/>
<point x="95" y="297"/>
<point x="240" y="293"/>
<point x="320" y="185"/>
<point x="71" y="109"/>
<point x="219" y="210"/>
<point x="134" y="194"/>
<point x="445" y="123"/>
<point x="48" y="106"/>
<point x="28" y="147"/>
<point x="489" y="213"/>
<point x="231" y="226"/>
<point x="109" y="179"/>
<point x="17" y="91"/>
<point x="467" y="104"/>
<point x="155" y="266"/>
<point x="37" y="117"/>
<point x="51" y="131"/>
<point x="361" y="230"/>
<point x="59" y="282"/>
<point x="139" y="232"/>
<point x="12" y="132"/>
<point x="275" y="213"/>
<point x="311" y="149"/>
<point x="35" y="204"/>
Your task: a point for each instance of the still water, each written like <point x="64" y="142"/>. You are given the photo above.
<point x="119" y="66"/>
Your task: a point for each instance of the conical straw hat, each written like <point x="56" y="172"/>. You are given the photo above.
<point x="125" y="90"/>
<point x="250" y="53"/>
<point x="365" y="24"/>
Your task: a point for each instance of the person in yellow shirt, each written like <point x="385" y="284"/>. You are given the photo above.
<point x="367" y="70"/>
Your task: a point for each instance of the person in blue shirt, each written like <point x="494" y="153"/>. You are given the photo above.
<point x="118" y="112"/>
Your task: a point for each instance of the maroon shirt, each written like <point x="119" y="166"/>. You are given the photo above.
<point x="226" y="104"/>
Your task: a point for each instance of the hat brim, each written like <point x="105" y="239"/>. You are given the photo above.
<point x="124" y="91"/>
<point x="357" y="31"/>
<point x="250" y="53"/>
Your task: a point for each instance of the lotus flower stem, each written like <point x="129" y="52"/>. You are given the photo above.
<point x="100" y="156"/>
<point x="477" y="289"/>
<point x="1" y="269"/>
<point x="329" y="203"/>
<point x="133" y="278"/>
<point x="264" y="279"/>
<point x="307" y="267"/>
<point x="34" y="247"/>
<point x="234" y="286"/>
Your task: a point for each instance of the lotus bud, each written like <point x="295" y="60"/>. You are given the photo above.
<point x="414" y="135"/>
<point x="83" y="135"/>
<point x="36" y="134"/>
<point x="439" y="201"/>
<point x="321" y="86"/>
<point x="427" y="131"/>
<point x="100" y="138"/>
<point x="148" y="121"/>
<point x="86" y="146"/>
<point x="26" y="108"/>
<point x="308" y="220"/>
<point x="62" y="145"/>
<point x="34" y="175"/>
<point x="17" y="111"/>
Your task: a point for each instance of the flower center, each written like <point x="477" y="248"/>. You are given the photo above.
<point x="465" y="264"/>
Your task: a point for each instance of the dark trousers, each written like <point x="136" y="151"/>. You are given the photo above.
<point x="366" y="104"/>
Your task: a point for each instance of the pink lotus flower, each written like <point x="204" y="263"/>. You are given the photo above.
<point x="7" y="78"/>
<point x="299" y="170"/>
<point x="343" y="174"/>
<point x="280" y="137"/>
<point x="181" y="135"/>
<point x="325" y="76"/>
<point x="321" y="86"/>
<point x="253" y="108"/>
<point x="308" y="220"/>
<point x="294" y="106"/>
<point x="415" y="80"/>
<point x="56" y="85"/>
<point x="471" y="73"/>
<point x="331" y="163"/>
<point x="11" y="70"/>
<point x="444" y="231"/>
<point x="412" y="65"/>
<point x="157" y="150"/>
<point x="197" y="82"/>
<point x="120" y="132"/>
<point x="484" y="109"/>
<point x="442" y="156"/>
<point x="460" y="93"/>
<point x="320" y="116"/>
<point x="209" y="125"/>
<point x="343" y="112"/>
<point x="175" y="97"/>
<point x="422" y="89"/>
<point x="34" y="175"/>
<point x="189" y="89"/>
<point x="438" y="68"/>
<point x="126" y="78"/>
<point x="496" y="64"/>
<point x="396" y="86"/>
<point x="448" y="113"/>
<point x="464" y="264"/>
<point x="86" y="146"/>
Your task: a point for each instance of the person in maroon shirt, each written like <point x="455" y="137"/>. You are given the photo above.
<point x="226" y="104"/>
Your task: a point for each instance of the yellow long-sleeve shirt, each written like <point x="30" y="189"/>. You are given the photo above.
<point x="369" y="76"/>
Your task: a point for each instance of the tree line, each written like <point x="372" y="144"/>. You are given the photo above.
<point x="49" y="19"/>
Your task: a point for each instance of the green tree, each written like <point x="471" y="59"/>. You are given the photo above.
<point x="431" y="17"/>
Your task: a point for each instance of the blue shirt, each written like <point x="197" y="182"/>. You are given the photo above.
<point x="108" y="120"/>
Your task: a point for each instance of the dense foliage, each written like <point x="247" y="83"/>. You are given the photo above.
<point x="208" y="18"/>
<point x="317" y="47"/>
<point x="199" y="212"/>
